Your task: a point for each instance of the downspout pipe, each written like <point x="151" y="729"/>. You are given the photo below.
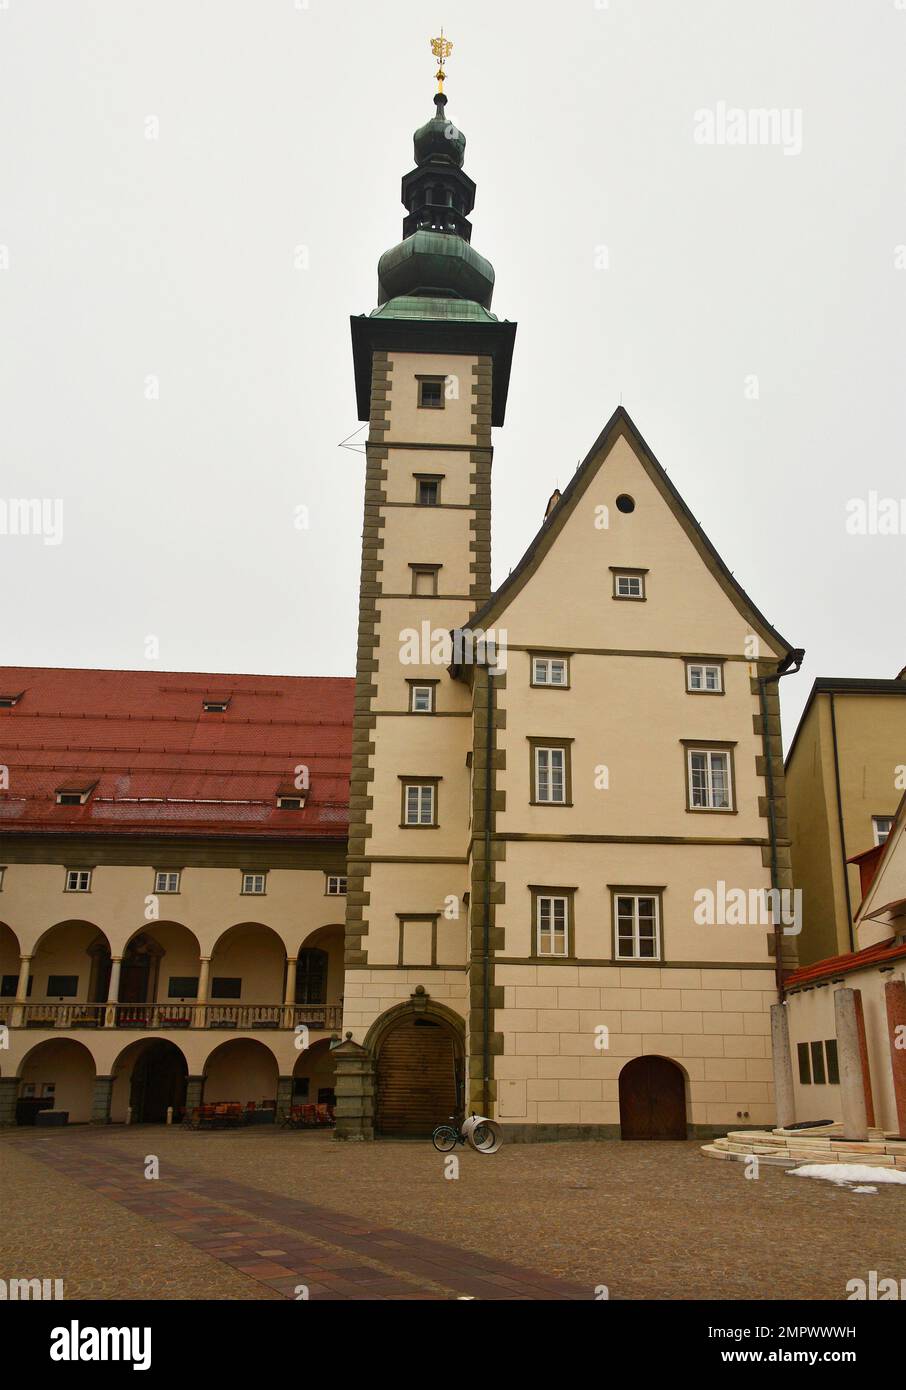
<point x="790" y="664"/>
<point x="486" y="930"/>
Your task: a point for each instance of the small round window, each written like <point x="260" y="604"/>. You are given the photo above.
<point x="625" y="503"/>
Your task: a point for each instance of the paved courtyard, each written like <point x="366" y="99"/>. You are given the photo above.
<point x="255" y="1214"/>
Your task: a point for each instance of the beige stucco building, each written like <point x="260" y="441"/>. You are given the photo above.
<point x="555" y="786"/>
<point x="845" y="775"/>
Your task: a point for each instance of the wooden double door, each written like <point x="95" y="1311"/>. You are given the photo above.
<point x="419" y="1077"/>
<point x="652" y="1099"/>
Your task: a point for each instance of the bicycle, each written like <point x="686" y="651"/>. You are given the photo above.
<point x="446" y="1137"/>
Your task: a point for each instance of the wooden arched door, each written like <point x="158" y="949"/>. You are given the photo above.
<point x="652" y="1099"/>
<point x="419" y="1077"/>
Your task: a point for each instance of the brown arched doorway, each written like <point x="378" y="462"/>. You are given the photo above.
<point x="158" y="1082"/>
<point x="652" y="1099"/>
<point x="419" y="1076"/>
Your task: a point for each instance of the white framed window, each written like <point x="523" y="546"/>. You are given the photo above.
<point x="710" y="779"/>
<point x="291" y="801"/>
<point x="254" y="883"/>
<point x="421" y="699"/>
<point x="637" y="926"/>
<point x="550" y="671"/>
<point x="166" y="881"/>
<point x="705" y="677"/>
<point x="629" y="584"/>
<point x="551" y="924"/>
<point x="550" y="775"/>
<point x="419" y="803"/>
<point x="78" y="880"/>
<point x="882" y="826"/>
<point x="74" y="796"/>
<point x="336" y="885"/>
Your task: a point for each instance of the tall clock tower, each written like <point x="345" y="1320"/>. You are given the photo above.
<point x="432" y="365"/>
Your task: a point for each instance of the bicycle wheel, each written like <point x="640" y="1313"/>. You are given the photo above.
<point x="444" y="1139"/>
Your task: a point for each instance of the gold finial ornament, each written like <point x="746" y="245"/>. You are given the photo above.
<point x="441" y="48"/>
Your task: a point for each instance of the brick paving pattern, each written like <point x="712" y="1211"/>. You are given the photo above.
<point x="331" y="1254"/>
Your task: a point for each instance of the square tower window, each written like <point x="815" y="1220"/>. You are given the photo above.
<point x="431" y="392"/>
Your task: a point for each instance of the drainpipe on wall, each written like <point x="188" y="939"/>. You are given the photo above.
<point x="486" y="932"/>
<point x="790" y="664"/>
<point x="849" y="905"/>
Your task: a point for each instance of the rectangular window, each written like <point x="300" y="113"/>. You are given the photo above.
<point x="254" y="883"/>
<point x="637" y="934"/>
<point x="704" y="678"/>
<point x="431" y="393"/>
<point x="9" y="986"/>
<point x="226" y="987"/>
<point x="63" y="986"/>
<point x="833" y="1066"/>
<point x="882" y="827"/>
<point x="419" y="804"/>
<point x="166" y="881"/>
<point x="79" y="880"/>
<point x="550" y="671"/>
<point x="550" y="774"/>
<point x="805" y="1069"/>
<point x="421" y="698"/>
<point x="551" y="924"/>
<point x="819" y="1077"/>
<point x="424" y="580"/>
<point x="710" y="783"/>
<point x="336" y="885"/>
<point x="427" y="492"/>
<point x="628" y="583"/>
<point x="182" y="987"/>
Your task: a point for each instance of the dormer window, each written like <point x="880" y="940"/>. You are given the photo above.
<point x="74" y="793"/>
<point x="291" y="801"/>
<point x="216" y="705"/>
<point x="7" y="701"/>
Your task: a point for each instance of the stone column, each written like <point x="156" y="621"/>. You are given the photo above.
<point x="201" y="998"/>
<point x="21" y="991"/>
<point x="849" y="1057"/>
<point x="9" y="1094"/>
<point x="289" y="996"/>
<point x="895" y="1000"/>
<point x="101" y="1100"/>
<point x="194" y="1089"/>
<point x="863" y="1058"/>
<point x="284" y="1096"/>
<point x="113" y="991"/>
<point x="784" y="1095"/>
<point x="355" y="1091"/>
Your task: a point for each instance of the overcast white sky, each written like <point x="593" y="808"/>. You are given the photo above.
<point x="283" y="125"/>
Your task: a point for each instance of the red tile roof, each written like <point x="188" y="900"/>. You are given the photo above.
<point x="879" y="954"/>
<point x="163" y="765"/>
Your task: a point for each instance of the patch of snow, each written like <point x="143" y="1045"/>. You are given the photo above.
<point x="844" y="1173"/>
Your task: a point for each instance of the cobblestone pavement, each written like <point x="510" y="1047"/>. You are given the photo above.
<point x="254" y="1213"/>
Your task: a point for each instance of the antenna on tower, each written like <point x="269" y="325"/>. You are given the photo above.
<point x="441" y="48"/>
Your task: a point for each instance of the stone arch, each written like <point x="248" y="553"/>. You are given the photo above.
<point x="71" y="948"/>
<point x="68" y="1066"/>
<point x="316" y="1067"/>
<point x="654" y="1098"/>
<point x="241" y="1069"/>
<point x="149" y="1075"/>
<point x="10" y="960"/>
<point x="419" y="1066"/>
<point x="255" y="954"/>
<point x="153" y="955"/>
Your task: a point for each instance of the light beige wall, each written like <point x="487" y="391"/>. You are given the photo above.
<point x="569" y="599"/>
<point x="871" y="738"/>
<point x="33" y="900"/>
<point x="811" y="801"/>
<point x="714" y="1023"/>
<point x="417" y="888"/>
<point x="241" y="1070"/>
<point x="811" y="1019"/>
<point x="409" y="423"/>
<point x="887" y="887"/>
<point x="370" y="993"/>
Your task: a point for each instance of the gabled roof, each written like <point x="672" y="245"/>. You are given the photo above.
<point x="163" y="765"/>
<point x="621" y="423"/>
<point x="846" y="685"/>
